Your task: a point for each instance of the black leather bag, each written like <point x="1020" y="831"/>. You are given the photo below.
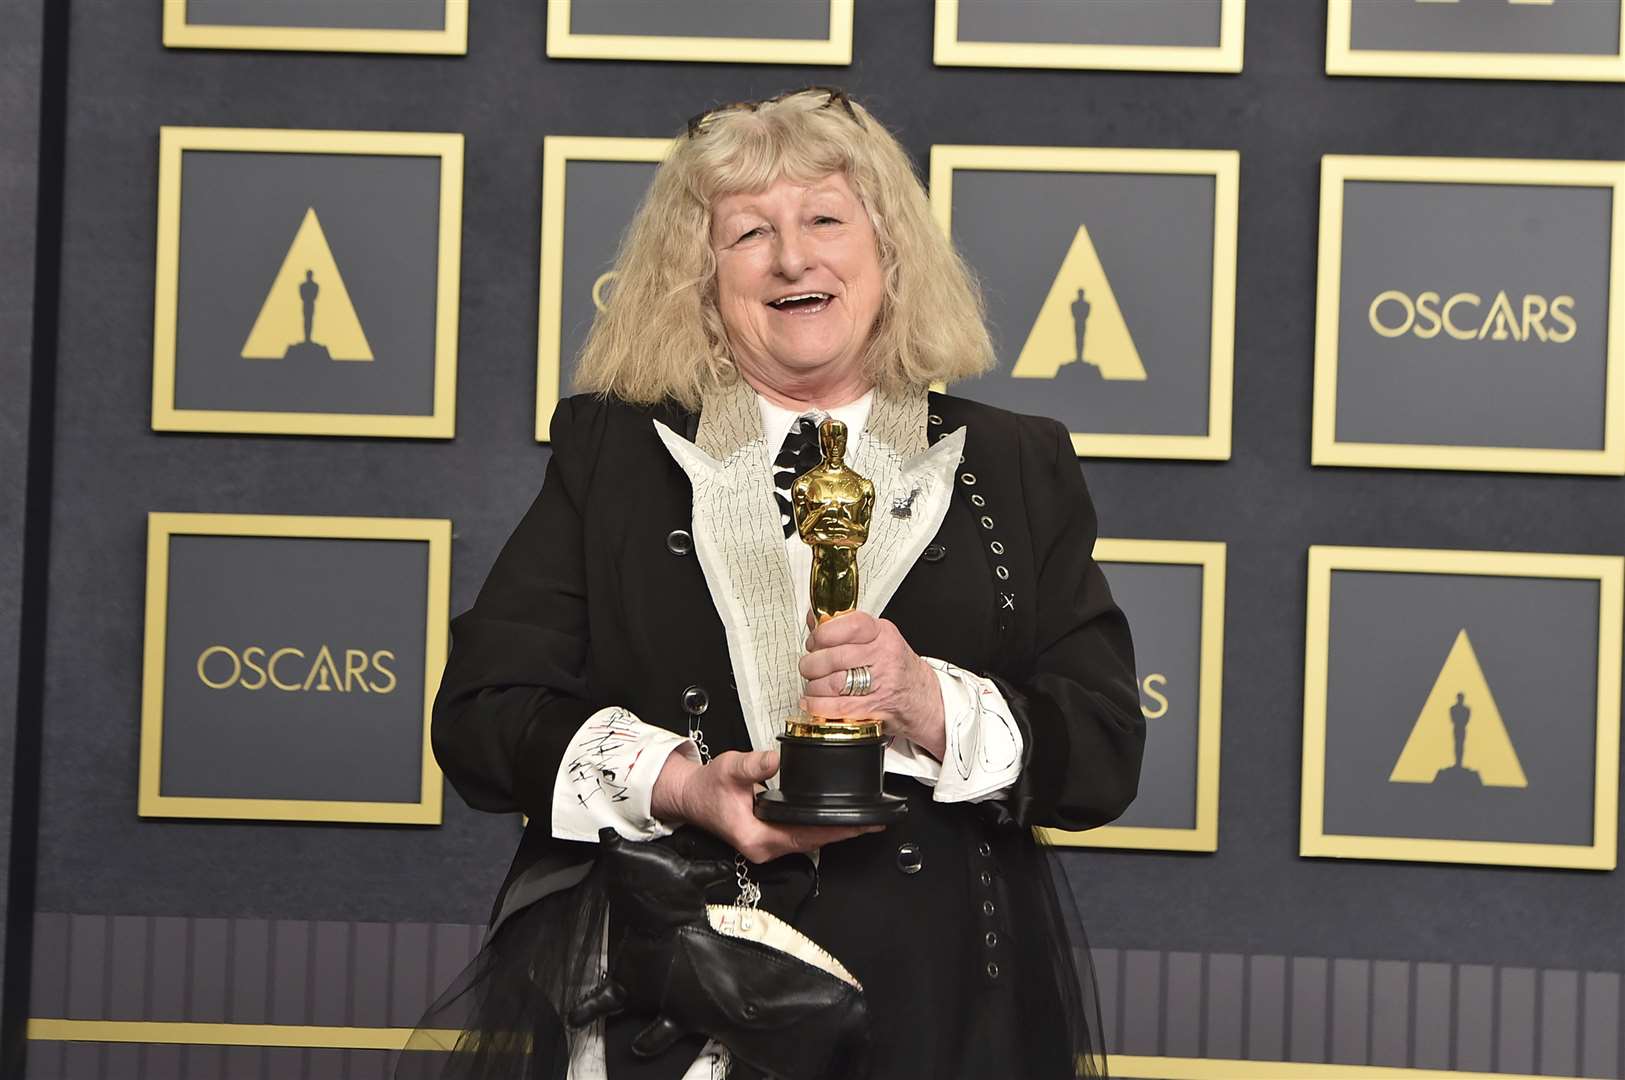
<point x="778" y="1014"/>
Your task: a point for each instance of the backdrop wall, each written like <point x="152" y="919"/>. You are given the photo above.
<point x="1252" y="951"/>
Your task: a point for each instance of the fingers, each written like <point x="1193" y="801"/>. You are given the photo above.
<point x="752" y="767"/>
<point x="853" y="628"/>
<point x="769" y="841"/>
<point x="842" y="708"/>
<point x="815" y="665"/>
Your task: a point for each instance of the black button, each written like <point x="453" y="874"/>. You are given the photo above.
<point x="987" y="878"/>
<point x="749" y="1010"/>
<point x="935" y="552"/>
<point x="992" y="939"/>
<point x="984" y="849"/>
<point x="909" y="858"/>
<point x="678" y="542"/>
<point x="988" y="908"/>
<point x="695" y="701"/>
<point x="992" y="970"/>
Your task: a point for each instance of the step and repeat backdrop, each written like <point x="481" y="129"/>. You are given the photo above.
<point x="1331" y="297"/>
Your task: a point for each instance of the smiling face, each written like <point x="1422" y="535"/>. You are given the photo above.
<point x="799" y="287"/>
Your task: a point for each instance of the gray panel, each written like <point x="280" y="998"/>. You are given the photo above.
<point x="285" y="1062"/>
<point x="1182" y="1028"/>
<point x="209" y="985"/>
<point x="409" y="975"/>
<point x="231" y="729"/>
<point x="451" y="949"/>
<point x="600" y="199"/>
<point x="250" y="972"/>
<point x="1188" y="23"/>
<point x="1266" y="1008"/>
<point x="1599" y="1050"/>
<point x="1431" y="1048"/>
<point x="1308" y="1007"/>
<point x="45" y="1061"/>
<point x="340" y="14"/>
<point x="1475" y="1018"/>
<point x="1578" y="27"/>
<point x="1390" y="635"/>
<point x="1142" y="1001"/>
<point x="127" y="978"/>
<point x="1225" y="973"/>
<point x="290" y="972"/>
<point x="205" y="1063"/>
<point x="87" y="967"/>
<point x="370" y="978"/>
<point x="1390" y="1013"/>
<point x="246" y="1062"/>
<point x="325" y="1065"/>
<point x="83" y="1061"/>
<point x="330" y="975"/>
<point x="804" y="19"/>
<point x="1559" y="1022"/>
<point x="240" y="212"/>
<point x="122" y="1062"/>
<point x="1515" y="1038"/>
<point x="48" y="984"/>
<point x="368" y="1065"/>
<point x="1510" y="387"/>
<point x="160" y="1061"/>
<point x="1351" y="1011"/>
<point x="1164" y="606"/>
<point x="1108" y="976"/>
<point x="169" y="971"/>
<point x="1154" y="237"/>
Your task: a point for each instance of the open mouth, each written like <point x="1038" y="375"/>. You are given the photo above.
<point x="807" y="303"/>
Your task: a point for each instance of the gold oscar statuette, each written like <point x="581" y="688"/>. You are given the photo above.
<point x="831" y="769"/>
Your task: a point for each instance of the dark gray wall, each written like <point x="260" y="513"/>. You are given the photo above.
<point x="1255" y="897"/>
<point x="20" y="83"/>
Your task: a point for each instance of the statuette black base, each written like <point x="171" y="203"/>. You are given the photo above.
<point x="824" y="782"/>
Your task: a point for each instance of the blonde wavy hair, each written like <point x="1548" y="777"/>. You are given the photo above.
<point x="660" y="334"/>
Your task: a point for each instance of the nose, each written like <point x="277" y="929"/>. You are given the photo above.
<point x="791" y="258"/>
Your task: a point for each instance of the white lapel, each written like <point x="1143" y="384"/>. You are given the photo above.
<point x="739" y="539"/>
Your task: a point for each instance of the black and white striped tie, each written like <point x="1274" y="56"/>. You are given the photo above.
<point x="799" y="453"/>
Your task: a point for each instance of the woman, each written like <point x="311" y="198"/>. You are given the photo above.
<point x="642" y="636"/>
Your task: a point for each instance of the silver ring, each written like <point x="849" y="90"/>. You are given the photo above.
<point x="859" y="680"/>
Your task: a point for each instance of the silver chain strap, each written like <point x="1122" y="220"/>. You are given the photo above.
<point x="750" y="893"/>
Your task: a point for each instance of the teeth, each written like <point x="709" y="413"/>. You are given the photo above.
<point x="801" y="296"/>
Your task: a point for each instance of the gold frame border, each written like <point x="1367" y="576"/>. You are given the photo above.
<point x="1204" y="836"/>
<point x="835" y="49"/>
<point x="1224" y="58"/>
<point x="1609" y="573"/>
<point x="557" y="153"/>
<point x="1343" y="59"/>
<point x="160" y="527"/>
<point x="1337" y="170"/>
<point x="173" y="142"/>
<point x="453" y="40"/>
<point x="1225" y="168"/>
<point x="1128" y="1066"/>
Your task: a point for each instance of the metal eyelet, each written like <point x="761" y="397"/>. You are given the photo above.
<point x="987" y="522"/>
<point x="968" y="479"/>
<point x="934" y="419"/>
<point x="996" y="548"/>
<point x="1003" y="574"/>
<point x="977" y="501"/>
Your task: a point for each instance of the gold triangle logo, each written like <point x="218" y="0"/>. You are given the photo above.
<point x="1460" y="730"/>
<point x="308" y="308"/>
<point x="1080" y="322"/>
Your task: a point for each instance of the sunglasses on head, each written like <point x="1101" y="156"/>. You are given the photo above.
<point x="834" y="95"/>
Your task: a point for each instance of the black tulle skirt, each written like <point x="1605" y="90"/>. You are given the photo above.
<point x="501" y="1017"/>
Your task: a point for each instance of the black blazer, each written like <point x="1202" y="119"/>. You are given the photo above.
<point x="597" y="599"/>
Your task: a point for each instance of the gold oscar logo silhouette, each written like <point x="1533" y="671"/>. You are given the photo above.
<point x="1080" y="323"/>
<point x="1459" y="738"/>
<point x="307" y="314"/>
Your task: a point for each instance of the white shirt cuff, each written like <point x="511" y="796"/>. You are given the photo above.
<point x="607" y="777"/>
<point x="983" y="751"/>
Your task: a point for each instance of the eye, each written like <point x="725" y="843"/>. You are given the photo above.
<point x="757" y="231"/>
<point x="825" y="219"/>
